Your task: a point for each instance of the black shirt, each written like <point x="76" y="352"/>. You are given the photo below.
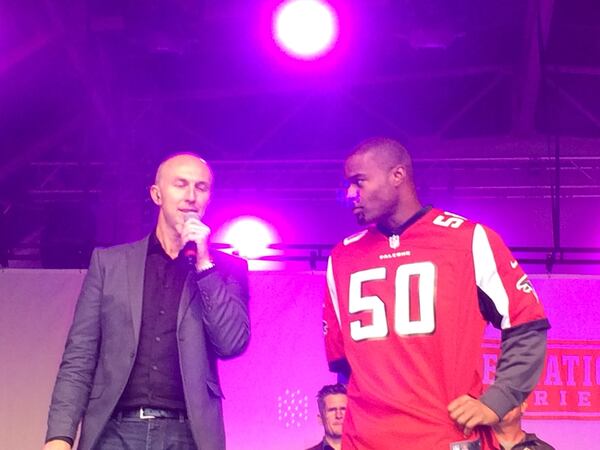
<point x="323" y="445"/>
<point x="531" y="442"/>
<point x="155" y="380"/>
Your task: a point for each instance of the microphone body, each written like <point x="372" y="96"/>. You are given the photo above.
<point x="190" y="249"/>
<point x="190" y="252"/>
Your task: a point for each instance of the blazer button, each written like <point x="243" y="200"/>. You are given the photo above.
<point x="132" y="355"/>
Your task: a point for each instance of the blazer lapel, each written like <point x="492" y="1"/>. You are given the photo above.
<point x="136" y="265"/>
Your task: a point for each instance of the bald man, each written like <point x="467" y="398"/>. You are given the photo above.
<point x="407" y="302"/>
<point x="139" y="370"/>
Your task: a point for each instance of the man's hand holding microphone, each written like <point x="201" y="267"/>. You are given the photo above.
<point x="195" y="235"/>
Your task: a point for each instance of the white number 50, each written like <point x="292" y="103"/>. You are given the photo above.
<point x="403" y="326"/>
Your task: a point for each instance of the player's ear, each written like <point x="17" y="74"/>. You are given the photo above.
<point x="399" y="174"/>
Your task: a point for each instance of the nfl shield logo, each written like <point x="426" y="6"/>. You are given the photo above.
<point x="394" y="241"/>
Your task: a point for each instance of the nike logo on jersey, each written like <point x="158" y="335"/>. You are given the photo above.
<point x="514" y="264"/>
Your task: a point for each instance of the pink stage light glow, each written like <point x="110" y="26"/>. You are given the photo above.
<point x="250" y="236"/>
<point x="305" y="29"/>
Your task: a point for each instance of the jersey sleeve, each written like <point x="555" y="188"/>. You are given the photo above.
<point x="507" y="296"/>
<point x="334" y="344"/>
<point x="508" y="300"/>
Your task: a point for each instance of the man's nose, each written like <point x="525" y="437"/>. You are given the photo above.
<point x="190" y="194"/>
<point x="351" y="192"/>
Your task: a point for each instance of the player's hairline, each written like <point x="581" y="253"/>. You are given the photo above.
<point x="392" y="150"/>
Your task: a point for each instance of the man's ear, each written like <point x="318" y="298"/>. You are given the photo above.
<point x="320" y="419"/>
<point x="399" y="174"/>
<point x="155" y="195"/>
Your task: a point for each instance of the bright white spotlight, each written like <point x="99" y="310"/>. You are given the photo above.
<point x="250" y="236"/>
<point x="305" y="29"/>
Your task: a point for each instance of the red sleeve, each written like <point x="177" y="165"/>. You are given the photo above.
<point x="509" y="301"/>
<point x="499" y="276"/>
<point x="334" y="344"/>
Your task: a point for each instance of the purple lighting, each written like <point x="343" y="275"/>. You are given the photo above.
<point x="249" y="236"/>
<point x="305" y="29"/>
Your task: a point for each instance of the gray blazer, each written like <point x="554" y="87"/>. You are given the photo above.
<point x="102" y="343"/>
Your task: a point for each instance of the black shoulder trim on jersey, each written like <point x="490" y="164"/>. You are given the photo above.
<point x="399" y="230"/>
<point x="343" y="378"/>
<point x="341" y="367"/>
<point x="488" y="310"/>
<point x="534" y="325"/>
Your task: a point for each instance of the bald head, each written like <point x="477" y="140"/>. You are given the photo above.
<point x="183" y="185"/>
<point x="178" y="159"/>
<point x="387" y="152"/>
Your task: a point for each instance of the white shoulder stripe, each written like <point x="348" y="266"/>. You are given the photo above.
<point x="486" y="274"/>
<point x="355" y="237"/>
<point x="333" y="290"/>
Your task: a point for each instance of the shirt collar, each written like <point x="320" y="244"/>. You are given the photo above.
<point x="154" y="245"/>
<point x="325" y="445"/>
<point x="529" y="437"/>
<point x="156" y="248"/>
<point x="400" y="229"/>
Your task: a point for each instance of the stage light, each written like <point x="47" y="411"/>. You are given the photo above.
<point x="249" y="236"/>
<point x="305" y="29"/>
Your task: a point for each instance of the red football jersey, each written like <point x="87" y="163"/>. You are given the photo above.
<point x="404" y="312"/>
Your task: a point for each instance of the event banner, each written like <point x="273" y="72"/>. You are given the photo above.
<point x="569" y="387"/>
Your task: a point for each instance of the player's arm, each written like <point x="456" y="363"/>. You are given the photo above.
<point x="509" y="302"/>
<point x="517" y="373"/>
<point x="334" y="345"/>
<point x="520" y="364"/>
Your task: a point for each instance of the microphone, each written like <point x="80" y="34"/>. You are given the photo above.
<point x="190" y="249"/>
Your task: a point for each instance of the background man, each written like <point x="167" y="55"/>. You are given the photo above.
<point x="332" y="400"/>
<point x="153" y="316"/>
<point x="511" y="435"/>
<point x="407" y="302"/>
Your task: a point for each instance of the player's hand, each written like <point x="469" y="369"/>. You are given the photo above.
<point x="57" y="444"/>
<point x="468" y="412"/>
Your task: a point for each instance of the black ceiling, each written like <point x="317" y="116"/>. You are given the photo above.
<point x="93" y="93"/>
